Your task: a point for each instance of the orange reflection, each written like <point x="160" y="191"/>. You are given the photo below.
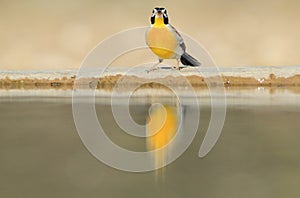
<point x="162" y="126"/>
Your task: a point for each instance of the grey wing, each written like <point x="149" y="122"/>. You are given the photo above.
<point x="179" y="37"/>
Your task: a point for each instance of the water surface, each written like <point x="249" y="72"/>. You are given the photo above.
<point x="41" y="154"/>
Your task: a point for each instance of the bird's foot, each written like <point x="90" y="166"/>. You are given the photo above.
<point x="176" y="68"/>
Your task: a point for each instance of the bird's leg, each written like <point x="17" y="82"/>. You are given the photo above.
<point x="154" y="67"/>
<point x="177" y="65"/>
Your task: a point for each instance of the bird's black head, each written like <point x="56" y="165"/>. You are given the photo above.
<point x="159" y="13"/>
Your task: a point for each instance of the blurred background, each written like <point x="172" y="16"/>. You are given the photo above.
<point x="58" y="34"/>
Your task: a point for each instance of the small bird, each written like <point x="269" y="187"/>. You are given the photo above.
<point x="165" y="41"/>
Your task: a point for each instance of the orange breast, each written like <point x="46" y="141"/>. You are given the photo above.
<point x="162" y="42"/>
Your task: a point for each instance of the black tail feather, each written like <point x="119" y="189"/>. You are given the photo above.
<point x="188" y="60"/>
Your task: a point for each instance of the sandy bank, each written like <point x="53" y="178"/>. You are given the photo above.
<point x="231" y="77"/>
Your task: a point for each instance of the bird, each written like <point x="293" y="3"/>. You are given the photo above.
<point x="165" y="41"/>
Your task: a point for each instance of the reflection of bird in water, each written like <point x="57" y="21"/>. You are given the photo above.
<point x="164" y="40"/>
<point x="163" y="124"/>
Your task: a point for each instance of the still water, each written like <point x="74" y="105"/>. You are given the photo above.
<point x="41" y="154"/>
